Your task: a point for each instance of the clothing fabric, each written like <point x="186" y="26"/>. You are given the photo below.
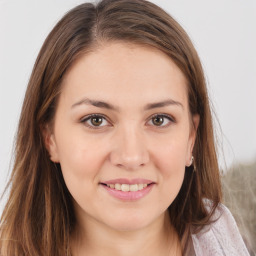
<point x="220" y="238"/>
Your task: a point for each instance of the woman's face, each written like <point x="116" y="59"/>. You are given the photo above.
<point x="123" y="135"/>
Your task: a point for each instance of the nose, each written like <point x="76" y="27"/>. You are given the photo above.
<point x="129" y="150"/>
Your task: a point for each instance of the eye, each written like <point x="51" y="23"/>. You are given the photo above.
<point x="161" y="120"/>
<point x="95" y="121"/>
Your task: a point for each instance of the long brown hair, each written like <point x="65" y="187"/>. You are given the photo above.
<point x="39" y="217"/>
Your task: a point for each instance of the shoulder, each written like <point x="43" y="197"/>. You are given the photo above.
<point x="220" y="237"/>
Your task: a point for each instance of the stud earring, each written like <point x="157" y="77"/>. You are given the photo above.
<point x="192" y="163"/>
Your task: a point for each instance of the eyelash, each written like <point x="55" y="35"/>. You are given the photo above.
<point x="164" y="116"/>
<point x="89" y="118"/>
<point x="91" y="126"/>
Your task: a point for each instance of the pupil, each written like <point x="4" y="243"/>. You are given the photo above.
<point x="158" y="120"/>
<point x="96" y="121"/>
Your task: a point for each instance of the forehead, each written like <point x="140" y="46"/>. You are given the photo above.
<point x="124" y="71"/>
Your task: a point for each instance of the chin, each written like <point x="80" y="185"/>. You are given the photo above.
<point x="130" y="221"/>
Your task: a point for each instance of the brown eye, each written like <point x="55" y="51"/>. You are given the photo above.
<point x="96" y="121"/>
<point x="161" y="120"/>
<point x="158" y="120"/>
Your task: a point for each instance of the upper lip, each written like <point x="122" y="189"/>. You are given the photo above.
<point x="128" y="181"/>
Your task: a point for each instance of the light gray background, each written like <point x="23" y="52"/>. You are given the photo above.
<point x="223" y="31"/>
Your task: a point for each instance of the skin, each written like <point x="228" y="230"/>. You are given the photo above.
<point x="126" y="144"/>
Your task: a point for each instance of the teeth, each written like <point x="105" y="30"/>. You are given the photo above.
<point x="134" y="187"/>
<point x="117" y="186"/>
<point x="127" y="187"/>
<point x="140" y="186"/>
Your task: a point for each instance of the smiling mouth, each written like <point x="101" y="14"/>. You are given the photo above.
<point x="127" y="187"/>
<point x="128" y="190"/>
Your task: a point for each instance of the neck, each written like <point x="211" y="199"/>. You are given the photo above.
<point x="97" y="239"/>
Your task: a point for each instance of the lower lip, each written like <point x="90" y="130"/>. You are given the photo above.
<point x="130" y="195"/>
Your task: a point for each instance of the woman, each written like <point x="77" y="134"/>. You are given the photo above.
<point x="115" y="150"/>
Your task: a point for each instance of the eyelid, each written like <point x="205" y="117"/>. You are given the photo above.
<point x="169" y="117"/>
<point x="88" y="117"/>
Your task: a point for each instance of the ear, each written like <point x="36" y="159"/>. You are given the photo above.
<point x="50" y="143"/>
<point x="192" y="137"/>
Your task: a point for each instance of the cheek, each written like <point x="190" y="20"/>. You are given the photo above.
<point x="80" y="164"/>
<point x="79" y="155"/>
<point x="171" y="155"/>
<point x="172" y="168"/>
<point x="170" y="159"/>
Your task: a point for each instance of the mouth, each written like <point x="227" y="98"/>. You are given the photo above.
<point x="128" y="190"/>
<point x="127" y="187"/>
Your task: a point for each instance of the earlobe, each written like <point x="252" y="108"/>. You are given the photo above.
<point x="50" y="144"/>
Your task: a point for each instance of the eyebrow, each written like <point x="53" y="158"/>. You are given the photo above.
<point x="163" y="104"/>
<point x="96" y="103"/>
<point x="102" y="104"/>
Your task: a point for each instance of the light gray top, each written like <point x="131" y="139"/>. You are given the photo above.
<point x="220" y="238"/>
